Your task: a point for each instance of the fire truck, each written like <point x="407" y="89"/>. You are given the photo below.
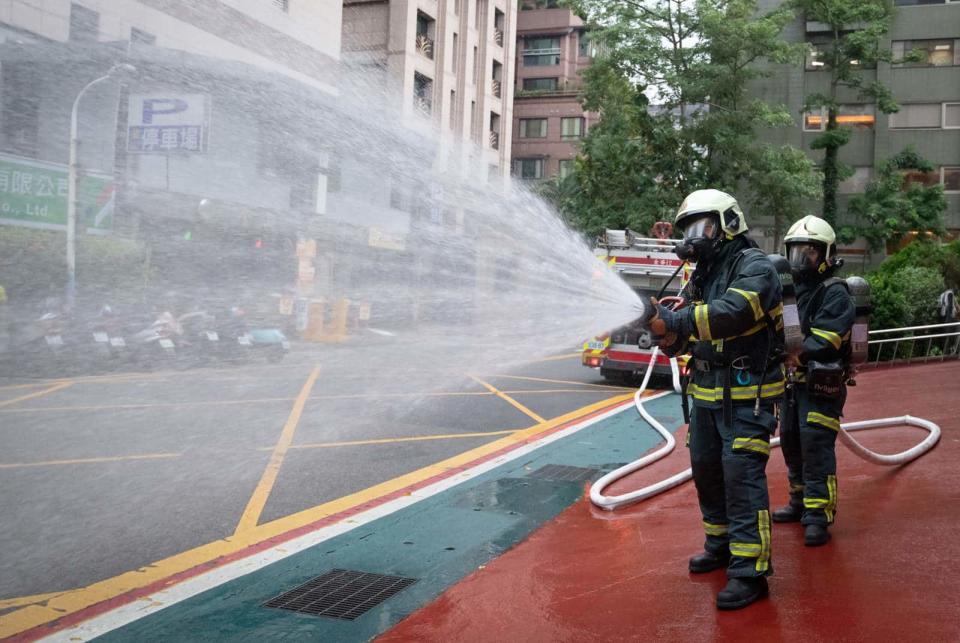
<point x="647" y="264"/>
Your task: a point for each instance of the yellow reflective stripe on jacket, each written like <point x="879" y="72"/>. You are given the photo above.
<point x="777" y="311"/>
<point x="746" y="550"/>
<point x="736" y="392"/>
<point x="830" y="336"/>
<point x="702" y="321"/>
<point x="712" y="529"/>
<point x="763" y="526"/>
<point x="753" y="299"/>
<point x="752" y="444"/>
<point x="816" y="503"/>
<point x="823" y="420"/>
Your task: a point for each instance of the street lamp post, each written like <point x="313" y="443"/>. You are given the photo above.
<point x="116" y="70"/>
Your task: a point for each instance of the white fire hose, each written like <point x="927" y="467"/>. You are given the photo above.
<point x="613" y="502"/>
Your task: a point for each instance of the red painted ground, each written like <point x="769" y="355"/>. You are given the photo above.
<point x="890" y="573"/>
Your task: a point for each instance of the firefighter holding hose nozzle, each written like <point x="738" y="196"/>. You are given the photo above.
<point x="732" y="325"/>
<point x="819" y="371"/>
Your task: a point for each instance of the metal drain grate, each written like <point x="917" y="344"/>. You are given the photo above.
<point x="340" y="593"/>
<point x="564" y="473"/>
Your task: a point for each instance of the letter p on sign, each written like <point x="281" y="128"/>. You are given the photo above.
<point x="161" y="106"/>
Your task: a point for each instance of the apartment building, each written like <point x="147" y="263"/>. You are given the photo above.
<point x="928" y="93"/>
<point x="448" y="61"/>
<point x="553" y="48"/>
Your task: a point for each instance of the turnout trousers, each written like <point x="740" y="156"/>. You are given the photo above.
<point x="808" y="437"/>
<point x="729" y="469"/>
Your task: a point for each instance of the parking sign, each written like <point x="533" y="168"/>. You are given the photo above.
<point x="164" y="123"/>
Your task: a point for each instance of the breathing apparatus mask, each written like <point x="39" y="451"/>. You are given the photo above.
<point x="701" y="238"/>
<point x="807" y="261"/>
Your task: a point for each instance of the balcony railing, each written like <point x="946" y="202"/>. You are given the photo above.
<point x="425" y="46"/>
<point x="495" y="140"/>
<point x="495" y="88"/>
<point x="423" y="105"/>
<point x="498" y="36"/>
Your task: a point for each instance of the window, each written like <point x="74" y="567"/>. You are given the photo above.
<point x="497" y="80"/>
<point x="584" y="48"/>
<point x="529" y="5"/>
<point x="950" y="179"/>
<point x="453" y="109"/>
<point x="926" y="116"/>
<point x="455" y="54"/>
<point x="473" y="121"/>
<point x="422" y="94"/>
<point x="495" y="130"/>
<point x="456" y="7"/>
<point x="571" y="127"/>
<point x="858" y="116"/>
<point x="533" y="128"/>
<point x="922" y="178"/>
<point x="476" y="66"/>
<point x="951" y="115"/>
<point x="540" y="84"/>
<point x="498" y="26"/>
<point x="916" y="116"/>
<point x="934" y="53"/>
<point x="84" y="24"/>
<point x="857" y="183"/>
<point x="528" y="168"/>
<point x="282" y="5"/>
<point x="541" y="52"/>
<point x="566" y="167"/>
<point x="142" y="37"/>
<point x="20" y="106"/>
<point x="815" y="56"/>
<point x="915" y="3"/>
<point x="425" y="34"/>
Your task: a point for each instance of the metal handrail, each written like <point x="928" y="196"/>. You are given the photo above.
<point x="906" y="328"/>
<point x="950" y="349"/>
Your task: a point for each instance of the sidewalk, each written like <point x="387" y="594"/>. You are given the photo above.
<point x="888" y="573"/>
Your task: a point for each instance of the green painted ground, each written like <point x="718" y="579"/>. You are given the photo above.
<point x="437" y="541"/>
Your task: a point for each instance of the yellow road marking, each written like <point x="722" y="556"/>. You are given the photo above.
<point x="29" y="396"/>
<point x="19" y="601"/>
<point x="7" y="387"/>
<point x="557" y="358"/>
<point x="251" y="515"/>
<point x="507" y="398"/>
<point x="415" y="438"/>
<point x="541" y="379"/>
<point x="116" y="458"/>
<point x="79" y="599"/>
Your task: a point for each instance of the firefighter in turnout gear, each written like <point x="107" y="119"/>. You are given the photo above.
<point x="732" y="325"/>
<point x="811" y="414"/>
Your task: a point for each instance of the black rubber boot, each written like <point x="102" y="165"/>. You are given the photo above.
<point x="740" y="592"/>
<point x="707" y="562"/>
<point x="792" y="512"/>
<point x="815" y="535"/>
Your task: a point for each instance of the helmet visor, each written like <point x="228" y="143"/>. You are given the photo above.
<point x="701" y="227"/>
<point x="804" y="255"/>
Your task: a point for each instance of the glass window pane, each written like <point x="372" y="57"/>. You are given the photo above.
<point x="545" y="84"/>
<point x="951" y="179"/>
<point x="571" y="127"/>
<point x="916" y="115"/>
<point x="951" y="115"/>
<point x="533" y="127"/>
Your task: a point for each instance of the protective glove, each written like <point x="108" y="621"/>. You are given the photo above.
<point x="664" y="324"/>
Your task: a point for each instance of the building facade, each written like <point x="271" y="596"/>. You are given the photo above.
<point x="928" y="93"/>
<point x="549" y="120"/>
<point x="448" y="61"/>
<point x="191" y="142"/>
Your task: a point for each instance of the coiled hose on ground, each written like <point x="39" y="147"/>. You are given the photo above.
<point x="613" y="502"/>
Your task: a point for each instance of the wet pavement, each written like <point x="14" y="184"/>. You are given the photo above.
<point x="103" y="475"/>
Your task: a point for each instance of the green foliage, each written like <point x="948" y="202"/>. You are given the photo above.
<point x="856" y="30"/>
<point x="944" y="258"/>
<point x="33" y="263"/>
<point x="695" y="59"/>
<point x="907" y="297"/>
<point x="886" y="212"/>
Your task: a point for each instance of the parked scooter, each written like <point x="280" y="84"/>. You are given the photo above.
<point x="157" y="343"/>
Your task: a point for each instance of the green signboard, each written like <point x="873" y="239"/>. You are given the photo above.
<point x="34" y="194"/>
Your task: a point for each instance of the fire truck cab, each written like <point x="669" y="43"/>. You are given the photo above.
<point x="646" y="264"/>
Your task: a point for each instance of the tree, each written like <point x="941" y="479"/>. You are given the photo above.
<point x="892" y="206"/>
<point x="853" y="31"/>
<point x="693" y="61"/>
